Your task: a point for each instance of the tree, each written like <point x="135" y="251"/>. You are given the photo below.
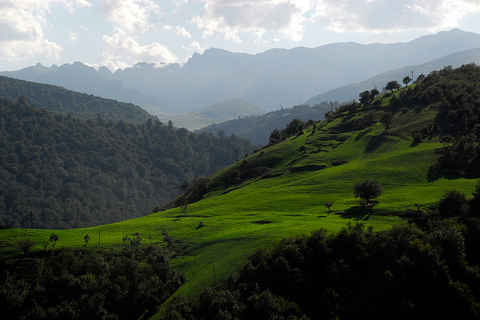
<point x="328" y="205"/>
<point x="474" y="204"/>
<point x="447" y="139"/>
<point x="364" y="96"/>
<point x="453" y="203"/>
<point x="25" y="245"/>
<point x="406" y="80"/>
<point x="420" y="78"/>
<point x="392" y="85"/>
<point x="373" y="93"/>
<point x="54" y="238"/>
<point x="367" y="190"/>
<point x="386" y="119"/>
<point x="86" y="239"/>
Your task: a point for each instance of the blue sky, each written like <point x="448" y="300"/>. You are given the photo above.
<point x="120" y="33"/>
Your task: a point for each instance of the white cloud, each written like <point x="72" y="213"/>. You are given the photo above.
<point x="387" y="15"/>
<point x="22" y="24"/>
<point x="181" y="31"/>
<point x="284" y="18"/>
<point x="130" y="19"/>
<point x="127" y="48"/>
<point x="72" y="36"/>
<point x="131" y="16"/>
<point x="195" y="46"/>
<point x="287" y="19"/>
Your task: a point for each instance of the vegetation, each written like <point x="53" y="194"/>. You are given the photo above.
<point x="66" y="172"/>
<point x="423" y="271"/>
<point x="258" y="128"/>
<point x="280" y="191"/>
<point x="64" y="101"/>
<point x="87" y="284"/>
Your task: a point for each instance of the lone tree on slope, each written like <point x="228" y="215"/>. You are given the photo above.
<point x="367" y="190"/>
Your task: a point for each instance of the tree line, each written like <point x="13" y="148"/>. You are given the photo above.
<point x="67" y="172"/>
<point x="88" y="283"/>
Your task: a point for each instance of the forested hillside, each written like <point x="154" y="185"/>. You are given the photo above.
<point x="258" y="128"/>
<point x="61" y="100"/>
<point x="67" y="172"/>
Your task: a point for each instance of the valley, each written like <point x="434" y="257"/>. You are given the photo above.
<point x="280" y="191"/>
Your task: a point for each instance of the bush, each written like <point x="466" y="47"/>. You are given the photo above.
<point x="453" y="203"/>
<point x="25" y="245"/>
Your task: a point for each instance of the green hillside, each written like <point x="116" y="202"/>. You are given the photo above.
<point x="65" y="101"/>
<point x="279" y="191"/>
<point x="257" y="128"/>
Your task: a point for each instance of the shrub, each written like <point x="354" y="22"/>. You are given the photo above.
<point x="453" y="203"/>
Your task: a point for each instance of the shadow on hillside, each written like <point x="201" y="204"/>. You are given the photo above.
<point x="414" y="144"/>
<point x="362" y="134"/>
<point x="356" y="212"/>
<point x="375" y="142"/>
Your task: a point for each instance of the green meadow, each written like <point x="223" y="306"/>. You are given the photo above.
<point x="232" y="221"/>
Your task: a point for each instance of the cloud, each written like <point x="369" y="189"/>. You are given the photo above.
<point x="195" y="46"/>
<point x="387" y="15"/>
<point x="131" y="16"/>
<point x="287" y="19"/>
<point x="181" y="31"/>
<point x="126" y="47"/>
<point x="283" y="18"/>
<point x="72" y="36"/>
<point x="22" y="24"/>
<point x="130" y="19"/>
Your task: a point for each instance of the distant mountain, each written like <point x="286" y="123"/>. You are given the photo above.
<point x="217" y="113"/>
<point x="257" y="129"/>
<point x="81" y="78"/>
<point x="351" y="91"/>
<point x="65" y="101"/>
<point x="269" y="80"/>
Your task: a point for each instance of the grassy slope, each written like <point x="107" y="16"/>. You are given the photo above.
<point x="261" y="212"/>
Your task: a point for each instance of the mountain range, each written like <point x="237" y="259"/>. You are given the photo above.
<point x="269" y="80"/>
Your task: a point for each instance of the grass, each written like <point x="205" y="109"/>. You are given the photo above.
<point x="237" y="220"/>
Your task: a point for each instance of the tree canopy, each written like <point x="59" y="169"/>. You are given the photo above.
<point x="75" y="173"/>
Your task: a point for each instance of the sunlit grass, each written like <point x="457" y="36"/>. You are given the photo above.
<point x="257" y="214"/>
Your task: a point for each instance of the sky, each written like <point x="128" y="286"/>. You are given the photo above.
<point x="120" y="33"/>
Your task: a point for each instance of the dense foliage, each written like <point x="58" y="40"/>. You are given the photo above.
<point x="409" y="272"/>
<point x="87" y="284"/>
<point x="455" y="94"/>
<point x="69" y="172"/>
<point x="61" y="100"/>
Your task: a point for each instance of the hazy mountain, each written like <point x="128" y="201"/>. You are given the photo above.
<point x="277" y="77"/>
<point x="81" y="78"/>
<point x="351" y="91"/>
<point x="219" y="112"/>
